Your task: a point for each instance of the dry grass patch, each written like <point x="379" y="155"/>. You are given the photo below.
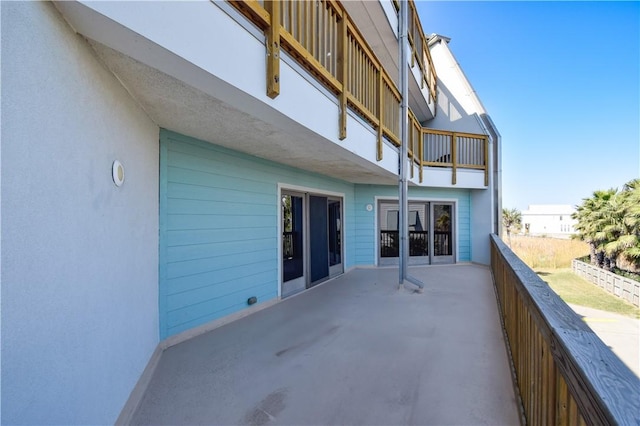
<point x="541" y="252"/>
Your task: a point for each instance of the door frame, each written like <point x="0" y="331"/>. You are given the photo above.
<point x="300" y="282"/>
<point x="338" y="268"/>
<point x="431" y="201"/>
<point x="306" y="192"/>
<point x="448" y="259"/>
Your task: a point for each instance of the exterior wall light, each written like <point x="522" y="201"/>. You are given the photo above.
<point x="117" y="172"/>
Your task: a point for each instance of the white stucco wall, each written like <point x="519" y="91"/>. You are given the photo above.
<point x="80" y="256"/>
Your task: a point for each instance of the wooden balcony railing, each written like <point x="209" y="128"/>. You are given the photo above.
<point x="323" y="39"/>
<point x="564" y="373"/>
<point x="420" y="52"/>
<point x="456" y="150"/>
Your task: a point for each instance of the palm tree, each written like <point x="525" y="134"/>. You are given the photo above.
<point x="609" y="222"/>
<point x="623" y="230"/>
<point x="511" y="220"/>
<point x="591" y="219"/>
<point x="611" y="227"/>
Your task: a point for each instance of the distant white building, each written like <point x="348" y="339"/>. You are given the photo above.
<point x="553" y="220"/>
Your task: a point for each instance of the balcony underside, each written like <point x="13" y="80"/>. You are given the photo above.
<point x="355" y="350"/>
<point x="203" y="94"/>
<point x="266" y="133"/>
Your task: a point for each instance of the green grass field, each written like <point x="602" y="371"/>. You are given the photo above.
<point x="574" y="289"/>
<point x="551" y="259"/>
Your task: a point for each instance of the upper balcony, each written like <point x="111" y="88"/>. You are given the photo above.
<point x="322" y="81"/>
<point x="314" y="32"/>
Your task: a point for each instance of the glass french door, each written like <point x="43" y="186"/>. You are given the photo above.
<point x="430" y="233"/>
<point x="335" y="237"/>
<point x="418" y="233"/>
<point x="293" y="243"/>
<point x="442" y="226"/>
<point x="311" y="240"/>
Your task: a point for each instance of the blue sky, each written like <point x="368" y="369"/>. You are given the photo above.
<point x="560" y="81"/>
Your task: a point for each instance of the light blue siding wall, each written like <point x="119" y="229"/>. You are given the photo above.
<point x="365" y="220"/>
<point x="218" y="229"/>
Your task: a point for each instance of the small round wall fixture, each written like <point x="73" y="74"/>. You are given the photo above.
<point x="369" y="207"/>
<point x="117" y="172"/>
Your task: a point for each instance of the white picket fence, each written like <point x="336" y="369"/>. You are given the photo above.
<point x="625" y="288"/>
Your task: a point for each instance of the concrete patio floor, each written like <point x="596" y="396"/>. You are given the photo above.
<point x="353" y="351"/>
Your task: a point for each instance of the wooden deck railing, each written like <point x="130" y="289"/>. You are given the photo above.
<point x="565" y="374"/>
<point x="420" y="52"/>
<point x="324" y="40"/>
<point x="456" y="150"/>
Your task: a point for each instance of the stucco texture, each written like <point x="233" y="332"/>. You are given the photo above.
<point x="80" y="255"/>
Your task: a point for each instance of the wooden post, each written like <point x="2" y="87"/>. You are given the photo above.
<point x="413" y="146"/>
<point x="273" y="49"/>
<point x="343" y="69"/>
<point x="421" y="151"/>
<point x="454" y="157"/>
<point x="380" y="113"/>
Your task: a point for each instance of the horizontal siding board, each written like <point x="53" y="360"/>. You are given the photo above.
<point x="206" y="308"/>
<point x="206" y="193"/>
<point x="216" y="169"/>
<point x="220" y="181"/>
<point x="214" y="157"/>
<point x="211" y="264"/>
<point x="213" y="293"/>
<point x="205" y="251"/>
<point x="263" y="294"/>
<point x="185" y="206"/>
<point x="224" y="220"/>
<point x="260" y="170"/>
<point x="236" y="274"/>
<point x="196" y="237"/>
